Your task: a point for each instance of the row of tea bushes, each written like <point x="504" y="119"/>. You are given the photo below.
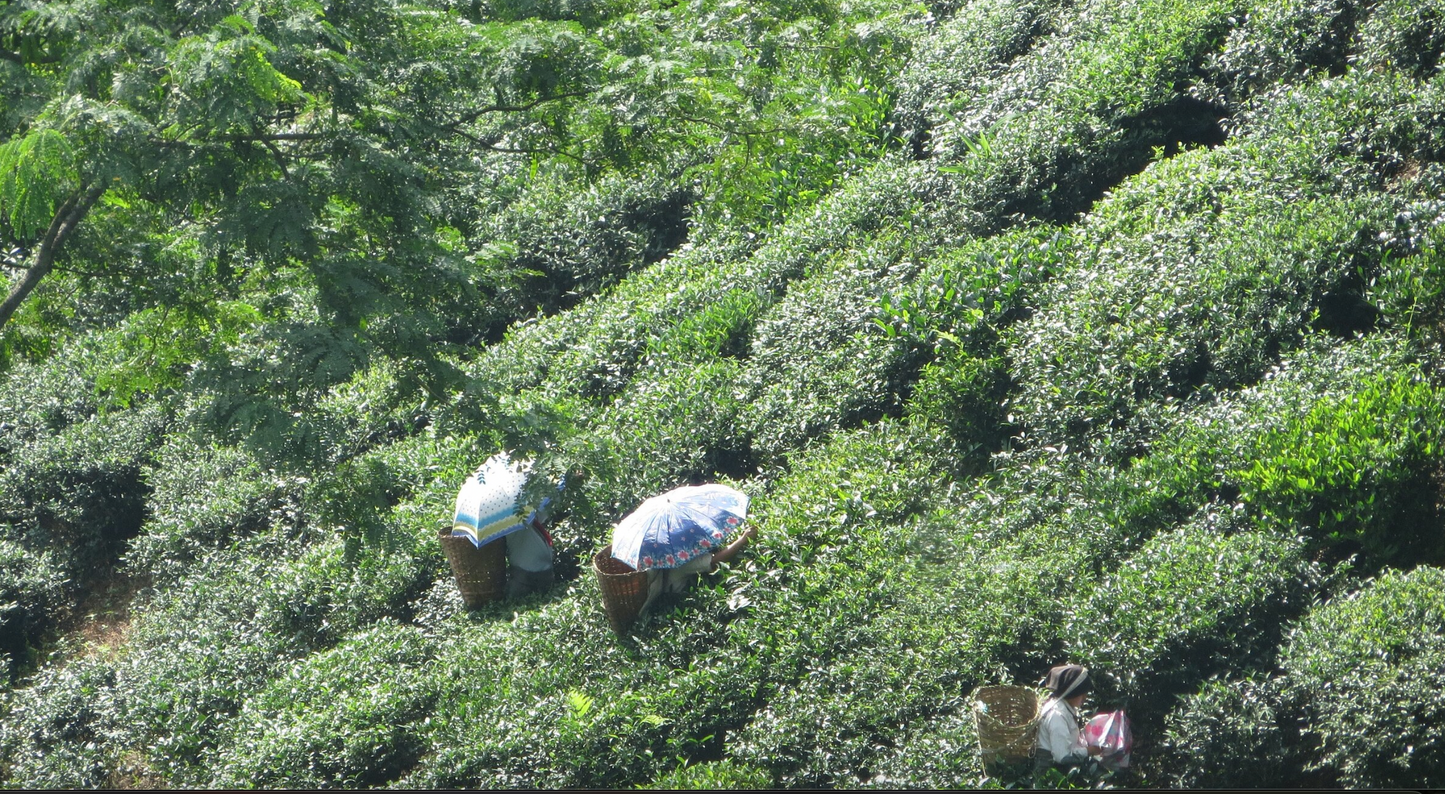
<point x="1343" y="442"/>
<point x="1358" y="685"/>
<point x="72" y="492"/>
<point x="1199" y="272"/>
<point x="618" y="329"/>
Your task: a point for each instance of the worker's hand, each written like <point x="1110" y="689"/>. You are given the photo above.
<point x="750" y="533"/>
<point x="1095" y="750"/>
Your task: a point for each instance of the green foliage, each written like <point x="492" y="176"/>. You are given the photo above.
<point x="715" y="775"/>
<point x="1340" y="442"/>
<point x="1188" y="604"/>
<point x="1228" y="734"/>
<point x="1405" y="36"/>
<point x="1201" y="295"/>
<point x="1284" y="42"/>
<point x="1011" y="372"/>
<point x="80" y="490"/>
<point x="32" y="600"/>
<point x="55" y="732"/>
<point x="818" y="362"/>
<point x="37" y="174"/>
<point x="346" y="717"/>
<point x="677" y="424"/>
<point x="1365" y="673"/>
<point x="202" y="499"/>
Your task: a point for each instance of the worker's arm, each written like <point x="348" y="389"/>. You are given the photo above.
<point x="733" y="548"/>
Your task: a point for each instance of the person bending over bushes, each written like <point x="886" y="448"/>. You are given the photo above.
<point x="671" y="581"/>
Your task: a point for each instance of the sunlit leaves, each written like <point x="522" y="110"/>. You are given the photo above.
<point x="38" y="172"/>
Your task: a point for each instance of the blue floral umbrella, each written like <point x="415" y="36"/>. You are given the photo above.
<point x="487" y="504"/>
<point x="671" y="529"/>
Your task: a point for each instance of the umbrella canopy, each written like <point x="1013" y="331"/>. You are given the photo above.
<point x="668" y="530"/>
<point x="487" y="506"/>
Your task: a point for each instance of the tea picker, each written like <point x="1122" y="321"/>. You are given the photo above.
<point x="488" y="510"/>
<point x="1103" y="744"/>
<point x="671" y="538"/>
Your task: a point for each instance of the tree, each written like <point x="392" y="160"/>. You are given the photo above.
<point x="192" y="154"/>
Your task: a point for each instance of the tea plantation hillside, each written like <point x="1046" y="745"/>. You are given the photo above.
<point x="1103" y="331"/>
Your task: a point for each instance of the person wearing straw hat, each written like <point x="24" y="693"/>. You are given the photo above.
<point x="1060" y="742"/>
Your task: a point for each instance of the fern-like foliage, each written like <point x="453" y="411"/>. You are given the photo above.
<point x="37" y="172"/>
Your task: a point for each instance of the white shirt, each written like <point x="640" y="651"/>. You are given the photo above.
<point x="528" y="551"/>
<point x="1059" y="731"/>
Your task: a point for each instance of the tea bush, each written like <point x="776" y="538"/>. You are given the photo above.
<point x="818" y="363"/>
<point x="33" y="598"/>
<point x="1282" y="43"/>
<point x="1365" y="672"/>
<point x="80" y="489"/>
<point x="1084" y="108"/>
<point x="202" y="498"/>
<point x="779" y="261"/>
<point x="562" y="241"/>
<point x="1405" y="36"/>
<point x="1228" y="734"/>
<point x="942" y="754"/>
<point x="1203" y="296"/>
<point x="606" y="711"/>
<point x="715" y="775"/>
<point x="964" y="54"/>
<point x="1188" y="604"/>
<point x="675" y="424"/>
<point x="345" y="717"/>
<point x="56" y="731"/>
<point x="1340" y="441"/>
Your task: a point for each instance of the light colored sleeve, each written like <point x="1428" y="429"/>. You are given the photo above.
<point x="1058" y="737"/>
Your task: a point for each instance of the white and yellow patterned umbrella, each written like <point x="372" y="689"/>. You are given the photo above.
<point x="487" y="505"/>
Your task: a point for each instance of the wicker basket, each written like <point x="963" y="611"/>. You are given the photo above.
<point x="624" y="590"/>
<point x="481" y="572"/>
<point x="1007" y="718"/>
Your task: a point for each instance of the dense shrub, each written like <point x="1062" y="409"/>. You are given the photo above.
<point x="1367" y="674"/>
<point x="969" y="438"/>
<point x="344" y="718"/>
<point x="942" y="754"/>
<point x="202" y="498"/>
<point x="564" y="241"/>
<point x="1203" y="293"/>
<point x="716" y="775"/>
<point x="55" y="732"/>
<point x="32" y="599"/>
<point x="818" y="362"/>
<point x="1228" y="734"/>
<point x="1283" y="42"/>
<point x="960" y="58"/>
<point x="1340" y="441"/>
<point x="1409" y="36"/>
<point x="675" y="427"/>
<point x="80" y="490"/>
<point x="1188" y="604"/>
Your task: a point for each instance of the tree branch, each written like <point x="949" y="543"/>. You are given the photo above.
<point x="492" y="146"/>
<point x="503" y="108"/>
<point x="269" y="137"/>
<point x="70" y="214"/>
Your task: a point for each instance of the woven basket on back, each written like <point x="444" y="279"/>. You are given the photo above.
<point x="481" y="572"/>
<point x="624" y="590"/>
<point x="1007" y="717"/>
